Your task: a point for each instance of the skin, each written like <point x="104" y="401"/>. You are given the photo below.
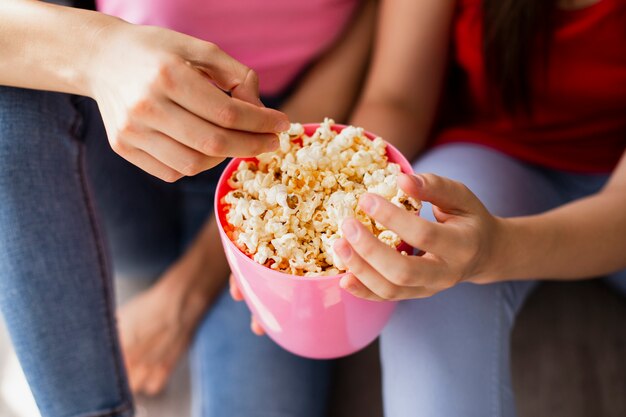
<point x="467" y="243"/>
<point x="157" y="327"/>
<point x="161" y="93"/>
<point x="332" y="86"/>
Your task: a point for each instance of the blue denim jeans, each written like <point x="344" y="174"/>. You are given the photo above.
<point x="448" y="355"/>
<point x="71" y="211"/>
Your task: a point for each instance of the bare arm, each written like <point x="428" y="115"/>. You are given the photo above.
<point x="331" y="87"/>
<point x="150" y="83"/>
<point x="583" y="239"/>
<point x="405" y="80"/>
<point x="157" y="326"/>
<point x="578" y="240"/>
<point x="48" y="47"/>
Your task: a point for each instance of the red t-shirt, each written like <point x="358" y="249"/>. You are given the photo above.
<point x="579" y="117"/>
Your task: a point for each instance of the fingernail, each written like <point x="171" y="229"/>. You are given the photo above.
<point x="345" y="284"/>
<point x="273" y="144"/>
<point x="368" y="203"/>
<point x="418" y="180"/>
<point x="350" y="230"/>
<point x="282" y="126"/>
<point x="343" y="250"/>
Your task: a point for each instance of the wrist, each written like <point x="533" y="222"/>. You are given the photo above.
<point x="508" y="252"/>
<point x="105" y="31"/>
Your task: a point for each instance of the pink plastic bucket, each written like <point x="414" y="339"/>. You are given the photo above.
<point x="308" y="316"/>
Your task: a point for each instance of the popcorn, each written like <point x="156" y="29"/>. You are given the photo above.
<point x="286" y="208"/>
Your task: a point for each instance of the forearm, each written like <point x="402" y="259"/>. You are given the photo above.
<point x="395" y="123"/>
<point x="583" y="239"/>
<point x="331" y="87"/>
<point x="48" y="47"/>
<point x="402" y="90"/>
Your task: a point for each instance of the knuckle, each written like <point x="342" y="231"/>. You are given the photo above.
<point x="425" y="238"/>
<point x="193" y="167"/>
<point x="384" y="213"/>
<point x="260" y="144"/>
<point x="252" y="76"/>
<point x="118" y="145"/>
<point x="228" y="116"/>
<point x="144" y="107"/>
<point x="257" y="148"/>
<point x="365" y="246"/>
<point x="216" y="145"/>
<point x="211" y="48"/>
<point x="430" y="178"/>
<point x="189" y="170"/>
<point x="170" y="176"/>
<point x="404" y="276"/>
<point x="444" y="285"/>
<point x="165" y="78"/>
<point x="388" y="293"/>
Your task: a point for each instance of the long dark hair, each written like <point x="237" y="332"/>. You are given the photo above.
<point x="516" y="33"/>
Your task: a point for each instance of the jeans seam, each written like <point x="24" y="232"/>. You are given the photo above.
<point x="104" y="274"/>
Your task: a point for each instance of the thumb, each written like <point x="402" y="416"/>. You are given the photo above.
<point x="227" y="73"/>
<point x="449" y="196"/>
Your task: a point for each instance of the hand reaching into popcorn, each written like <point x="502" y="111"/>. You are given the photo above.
<point x="468" y="244"/>
<point x="459" y="247"/>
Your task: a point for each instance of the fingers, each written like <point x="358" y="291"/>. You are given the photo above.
<point x="235" y="293"/>
<point x="157" y="380"/>
<point x="228" y="73"/>
<point x="175" y="155"/>
<point x="150" y="372"/>
<point x="412" y="229"/>
<point x="137" y="377"/>
<point x="352" y="284"/>
<point x="255" y="326"/>
<point x="370" y="277"/>
<point x="450" y="196"/>
<point x="163" y="368"/>
<point x="187" y="87"/>
<point x="401" y="271"/>
<point x="209" y="139"/>
<point x="147" y="163"/>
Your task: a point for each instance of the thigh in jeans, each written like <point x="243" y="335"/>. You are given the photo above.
<point x="449" y="355"/>
<point x="238" y="374"/>
<point x="55" y="281"/>
<point x="234" y="372"/>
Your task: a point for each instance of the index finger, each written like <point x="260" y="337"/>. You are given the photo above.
<point x="228" y="73"/>
<point x="414" y="230"/>
<point x="235" y="293"/>
<point x="189" y="88"/>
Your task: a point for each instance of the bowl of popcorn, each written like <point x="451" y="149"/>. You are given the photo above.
<point x="279" y="215"/>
